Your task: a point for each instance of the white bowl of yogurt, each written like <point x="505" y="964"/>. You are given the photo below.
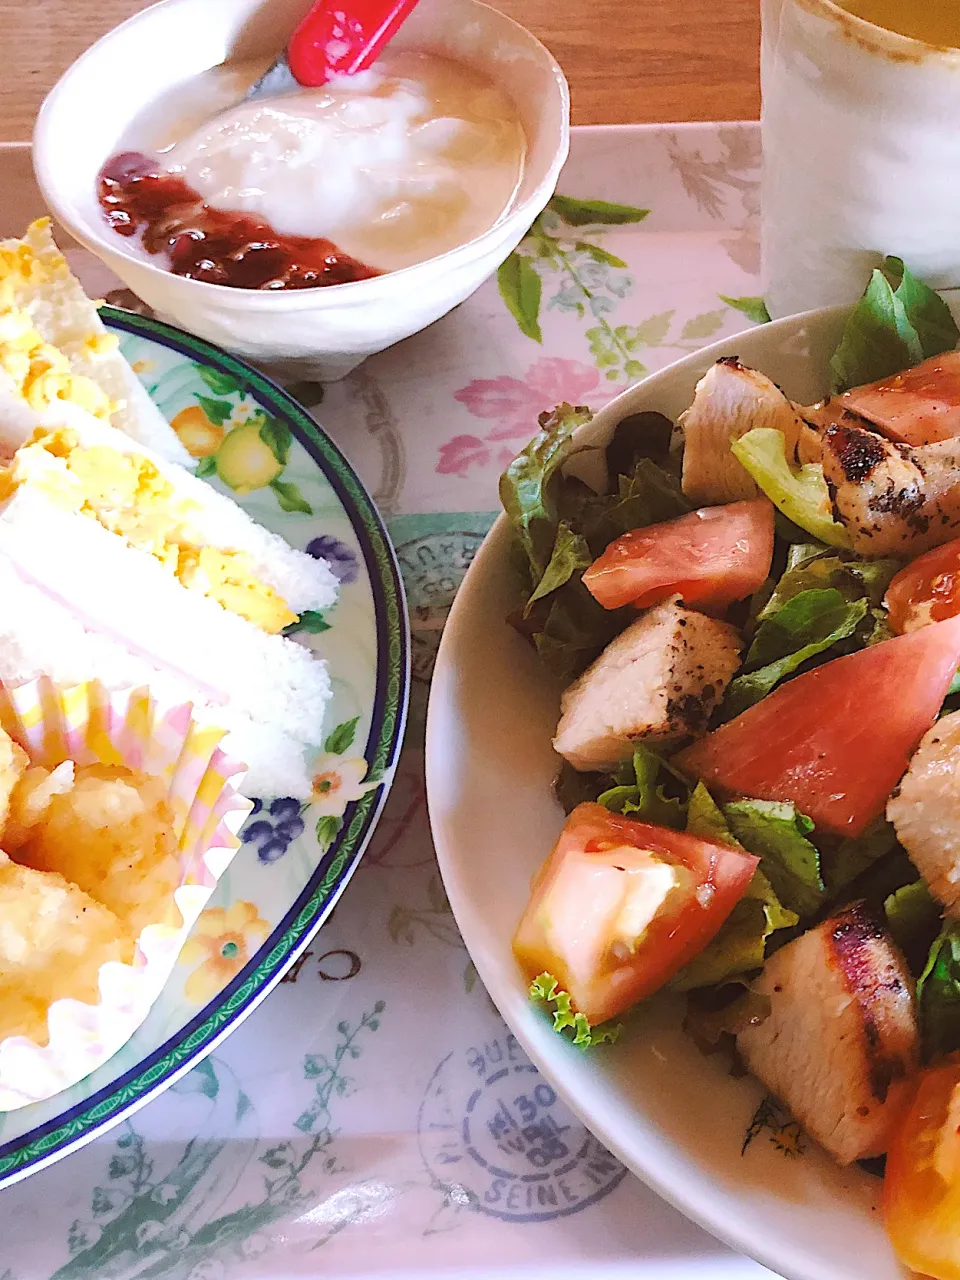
<point x="426" y="172"/>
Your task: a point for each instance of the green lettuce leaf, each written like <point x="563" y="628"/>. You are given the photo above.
<point x="740" y="946"/>
<point x="872" y="576"/>
<point x="648" y="789"/>
<point x="809" y="617"/>
<point x="913" y="918"/>
<point x="647" y="495"/>
<point x="569" y="629"/>
<point x="705" y="818"/>
<point x="571" y="787"/>
<point x="547" y="990"/>
<point x="842" y="861"/>
<point x="570" y="556"/>
<point x="799" y="553"/>
<point x="800" y="493"/>
<point x="926" y="310"/>
<point x="640" y="435"/>
<point x="938" y="994"/>
<point x="529" y="488"/>
<point x="807" y="625"/>
<point x="777" y="834"/>
<point x="898" y="322"/>
<point x="813" y="567"/>
<point x="560" y="525"/>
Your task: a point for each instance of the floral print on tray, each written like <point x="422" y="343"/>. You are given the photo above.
<point x="588" y="317"/>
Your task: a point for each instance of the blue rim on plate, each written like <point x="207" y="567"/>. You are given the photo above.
<point x="94" y="1114"/>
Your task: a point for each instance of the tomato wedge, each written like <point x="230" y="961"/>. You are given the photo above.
<point x="838" y="739"/>
<point x="921" y="1194"/>
<point x="928" y="590"/>
<point x="620" y="906"/>
<point x="711" y="557"/>
<point x="919" y="406"/>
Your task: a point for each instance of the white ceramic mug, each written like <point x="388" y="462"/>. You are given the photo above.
<point x="861" y="149"/>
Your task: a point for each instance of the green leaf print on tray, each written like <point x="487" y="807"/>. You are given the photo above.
<point x="172" y="1222"/>
<point x="753" y="308"/>
<point x="586" y="213"/>
<point x="591" y="281"/>
<point x="521" y="289"/>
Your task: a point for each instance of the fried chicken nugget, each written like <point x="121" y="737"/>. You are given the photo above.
<point x="30" y="801"/>
<point x="53" y="940"/>
<point x="111" y="833"/>
<point x="13" y="765"/>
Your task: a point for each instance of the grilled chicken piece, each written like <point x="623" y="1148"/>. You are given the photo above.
<point x="841" y="1042"/>
<point x="657" y="682"/>
<point x="916" y="407"/>
<point x="878" y="493"/>
<point x="894" y="500"/>
<point x="809" y="443"/>
<point x="831" y="413"/>
<point x="925" y="810"/>
<point x="730" y="401"/>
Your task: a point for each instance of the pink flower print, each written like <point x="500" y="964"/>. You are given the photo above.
<point x="514" y="403"/>
<point x="461" y="453"/>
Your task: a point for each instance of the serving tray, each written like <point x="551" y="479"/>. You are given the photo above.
<point x="374" y="1117"/>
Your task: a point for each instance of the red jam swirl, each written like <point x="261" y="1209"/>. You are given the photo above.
<point x="218" y="246"/>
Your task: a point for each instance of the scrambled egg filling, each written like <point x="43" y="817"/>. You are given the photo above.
<point x="40" y="372"/>
<point x="126" y="494"/>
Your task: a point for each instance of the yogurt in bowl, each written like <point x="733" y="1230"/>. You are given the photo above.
<point x="385" y="169"/>
<point x="444" y="156"/>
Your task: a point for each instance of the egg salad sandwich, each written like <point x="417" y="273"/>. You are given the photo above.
<point x="55" y="349"/>
<point x="120" y="566"/>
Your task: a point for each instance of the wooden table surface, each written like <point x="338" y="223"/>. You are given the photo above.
<point x="667" y="59"/>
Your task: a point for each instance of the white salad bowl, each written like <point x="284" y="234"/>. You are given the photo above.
<point x="678" y="1119"/>
<point x="319" y="333"/>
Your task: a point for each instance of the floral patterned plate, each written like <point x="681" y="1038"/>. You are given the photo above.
<point x="251" y="440"/>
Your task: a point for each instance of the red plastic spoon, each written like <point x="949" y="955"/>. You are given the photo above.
<point x="337" y="37"/>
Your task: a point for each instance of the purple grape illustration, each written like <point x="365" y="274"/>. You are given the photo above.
<point x="271" y="830"/>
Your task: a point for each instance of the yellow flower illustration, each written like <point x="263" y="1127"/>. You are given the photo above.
<point x="223" y="940"/>
<point x="142" y="366"/>
<point x="337" y="781"/>
<point x="199" y="436"/>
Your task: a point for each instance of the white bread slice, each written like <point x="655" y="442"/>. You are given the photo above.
<point x="130" y="597"/>
<point x="302" y="581"/>
<point x="40" y="636"/>
<point x="67" y="319"/>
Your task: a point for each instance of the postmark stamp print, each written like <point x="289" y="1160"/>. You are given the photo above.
<point x="490" y="1124"/>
